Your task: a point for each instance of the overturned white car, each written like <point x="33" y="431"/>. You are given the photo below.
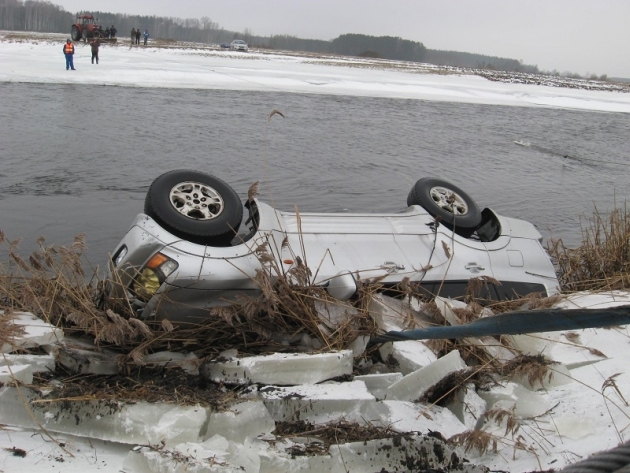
<point x="185" y="255"/>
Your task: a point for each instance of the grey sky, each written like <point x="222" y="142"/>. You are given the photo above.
<point x="583" y="36"/>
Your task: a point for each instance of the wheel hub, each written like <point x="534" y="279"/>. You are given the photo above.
<point x="196" y="200"/>
<point x="448" y="200"/>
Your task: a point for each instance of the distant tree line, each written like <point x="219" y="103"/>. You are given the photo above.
<point x="477" y="61"/>
<point x="43" y="16"/>
<point x="34" y="16"/>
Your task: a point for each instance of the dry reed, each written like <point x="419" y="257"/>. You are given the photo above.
<point x="602" y="261"/>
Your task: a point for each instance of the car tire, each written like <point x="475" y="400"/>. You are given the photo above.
<point x="195" y="206"/>
<point x="76" y="34"/>
<point x="443" y="200"/>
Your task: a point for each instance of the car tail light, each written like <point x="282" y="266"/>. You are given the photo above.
<point x="152" y="275"/>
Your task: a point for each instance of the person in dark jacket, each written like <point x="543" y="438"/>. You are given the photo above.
<point x="113" y="31"/>
<point x="146" y="36"/>
<point x="138" y="33"/>
<point x="94" y="45"/>
<point x="68" y="51"/>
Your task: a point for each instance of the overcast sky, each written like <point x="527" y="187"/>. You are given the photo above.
<point x="583" y="36"/>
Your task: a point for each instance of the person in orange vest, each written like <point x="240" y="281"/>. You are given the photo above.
<point x="68" y="51"/>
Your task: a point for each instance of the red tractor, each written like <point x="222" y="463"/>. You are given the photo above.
<point x="86" y="28"/>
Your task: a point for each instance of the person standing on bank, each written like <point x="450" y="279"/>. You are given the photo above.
<point x="138" y="36"/>
<point x="133" y="35"/>
<point x="113" y="31"/>
<point x="68" y="51"/>
<point x="146" y="36"/>
<point x="94" y="45"/>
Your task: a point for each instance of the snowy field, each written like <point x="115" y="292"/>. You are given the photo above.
<point x="579" y="409"/>
<point x="38" y="58"/>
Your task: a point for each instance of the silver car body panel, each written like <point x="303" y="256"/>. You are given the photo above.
<point x="388" y="246"/>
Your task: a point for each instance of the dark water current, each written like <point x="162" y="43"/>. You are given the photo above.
<point x="80" y="158"/>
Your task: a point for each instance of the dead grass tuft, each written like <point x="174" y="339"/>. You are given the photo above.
<point x="477" y="440"/>
<point x="602" y="261"/>
<point x="8" y="330"/>
<point x="535" y="368"/>
<point x="334" y="433"/>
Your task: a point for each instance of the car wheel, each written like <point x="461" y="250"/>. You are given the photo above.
<point x="195" y="206"/>
<point x="455" y="209"/>
<point x="76" y="34"/>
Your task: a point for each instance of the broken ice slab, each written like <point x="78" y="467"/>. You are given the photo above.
<point x="393" y="314"/>
<point x="280" y="368"/>
<point x="406" y="416"/>
<point x="410" y="355"/>
<point x="377" y="384"/>
<point x="36" y="332"/>
<point x="83" y="357"/>
<point x="282" y="458"/>
<point x="490" y="344"/>
<point x="468" y="406"/>
<point x="401" y="453"/>
<point x="38" y="363"/>
<point x="516" y="398"/>
<point x="600" y="392"/>
<point x="572" y="348"/>
<point x="580" y="347"/>
<point x="334" y="314"/>
<point x="558" y="375"/>
<point x="139" y="423"/>
<point x="240" y="421"/>
<point x="318" y="403"/>
<point x="151" y="460"/>
<point x="189" y="362"/>
<point x="404" y="452"/>
<point x="414" y="385"/>
<point x="21" y="373"/>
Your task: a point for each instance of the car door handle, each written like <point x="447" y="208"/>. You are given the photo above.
<point x="392" y="267"/>
<point x="474" y="267"/>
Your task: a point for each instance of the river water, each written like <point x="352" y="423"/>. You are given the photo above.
<point x="79" y="159"/>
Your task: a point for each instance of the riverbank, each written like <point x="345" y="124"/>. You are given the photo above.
<point x="37" y="58"/>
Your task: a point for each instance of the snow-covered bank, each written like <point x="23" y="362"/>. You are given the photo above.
<point x="38" y="58"/>
<point x="521" y="421"/>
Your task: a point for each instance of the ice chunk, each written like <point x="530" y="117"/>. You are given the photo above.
<point x="358" y="345"/>
<point x="22" y="373"/>
<point x="216" y="455"/>
<point x="240" y="421"/>
<point x="139" y="423"/>
<point x="573" y="426"/>
<point x="38" y="363"/>
<point x="278" y="460"/>
<point x="446" y="306"/>
<point x="394" y="314"/>
<point x="490" y="344"/>
<point x="405" y="416"/>
<point x="189" y="362"/>
<point x="280" y="368"/>
<point x="318" y="403"/>
<point x="152" y="460"/>
<point x="411" y="452"/>
<point x="558" y="375"/>
<point x="80" y="358"/>
<point x="469" y="407"/>
<point x="513" y="396"/>
<point x="335" y="314"/>
<point x="414" y="385"/>
<point x="411" y="355"/>
<point x="377" y="384"/>
<point x="36" y="333"/>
